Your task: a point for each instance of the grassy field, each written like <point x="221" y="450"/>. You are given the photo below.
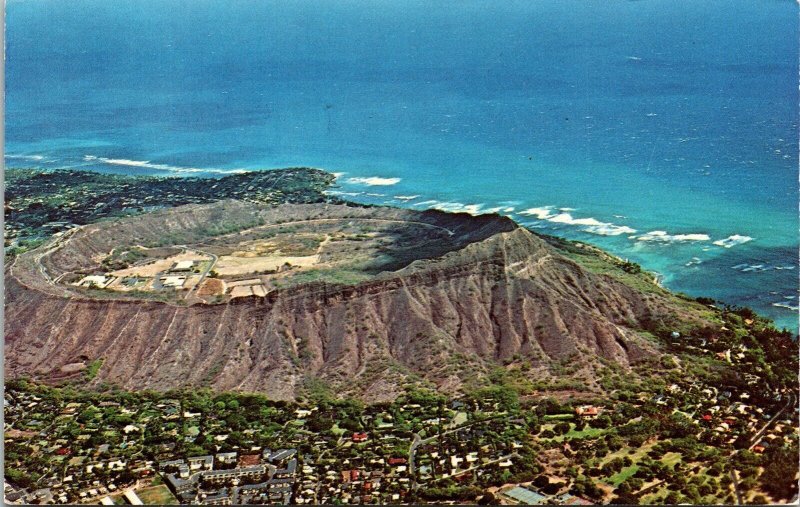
<point x="671" y="458"/>
<point x="625" y="451"/>
<point x="157" y="495"/>
<point x="559" y="417"/>
<point x="619" y="477"/>
<point x="459" y="419"/>
<point x="585" y="432"/>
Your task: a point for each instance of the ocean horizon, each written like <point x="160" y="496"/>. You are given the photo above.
<point x="664" y="132"/>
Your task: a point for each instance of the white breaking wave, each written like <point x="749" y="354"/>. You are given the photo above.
<point x="734" y="240"/>
<point x="426" y="203"/>
<point x="374" y="181"/>
<point x="788" y="306"/>
<point x="406" y="197"/>
<point x="339" y="192"/>
<point x="610" y="230"/>
<point x="36" y="158"/>
<point x="757" y="268"/>
<point x="498" y="209"/>
<point x="566" y="218"/>
<point x="160" y="167"/>
<point x="457" y="207"/>
<point x="338" y="175"/>
<point x="663" y="237"/>
<point x="592" y="225"/>
<point x="542" y="213"/>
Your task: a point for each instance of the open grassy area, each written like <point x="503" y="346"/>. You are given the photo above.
<point x="655" y="496"/>
<point x="559" y="417"/>
<point x="621" y="476"/>
<point x="118" y="499"/>
<point x="585" y="432"/>
<point x="336" y="430"/>
<point x="157" y="495"/>
<point x="671" y="458"/>
<point x="459" y="419"/>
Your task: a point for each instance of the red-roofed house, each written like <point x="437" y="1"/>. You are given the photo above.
<point x="360" y="437"/>
<point x="588" y="411"/>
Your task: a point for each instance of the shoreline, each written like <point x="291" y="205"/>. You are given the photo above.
<point x="337" y="190"/>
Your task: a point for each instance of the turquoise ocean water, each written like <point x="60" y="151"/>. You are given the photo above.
<point x="663" y="131"/>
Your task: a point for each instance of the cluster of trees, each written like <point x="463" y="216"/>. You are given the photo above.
<point x="780" y="470"/>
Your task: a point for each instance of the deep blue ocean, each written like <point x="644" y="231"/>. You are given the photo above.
<point x="662" y="130"/>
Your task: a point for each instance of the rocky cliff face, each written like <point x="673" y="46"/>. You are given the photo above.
<point x="508" y="296"/>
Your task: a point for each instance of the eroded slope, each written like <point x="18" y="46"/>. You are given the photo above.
<point x="480" y="291"/>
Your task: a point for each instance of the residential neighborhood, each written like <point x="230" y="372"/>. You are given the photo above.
<point x="714" y="420"/>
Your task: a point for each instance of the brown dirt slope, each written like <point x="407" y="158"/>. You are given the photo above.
<point x="498" y="292"/>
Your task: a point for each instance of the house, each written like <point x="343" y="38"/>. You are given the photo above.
<point x="170" y="465"/>
<point x="759" y="449"/>
<point x="359" y="437"/>
<point x="236" y="473"/>
<point x="291" y="468"/>
<point x="201" y="462"/>
<point x="278" y="455"/>
<point x="219" y="498"/>
<point x="227" y="458"/>
<point x="397" y="461"/>
<point x="173" y="281"/>
<point x="182" y="266"/>
<point x="99" y="281"/>
<point x="587" y="411"/>
<point x="180" y="486"/>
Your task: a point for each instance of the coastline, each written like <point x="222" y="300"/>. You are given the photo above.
<point x="334" y="190"/>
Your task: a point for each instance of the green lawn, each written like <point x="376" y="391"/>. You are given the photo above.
<point x="558" y="417"/>
<point x="651" y="498"/>
<point x="459" y="419"/>
<point x="157" y="495"/>
<point x="585" y="432"/>
<point x="671" y="458"/>
<point x="336" y="430"/>
<point x="619" y="477"/>
<point x="636" y="456"/>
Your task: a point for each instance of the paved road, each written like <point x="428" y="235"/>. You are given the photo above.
<point x="757" y="437"/>
<point x="735" y="482"/>
<point x="214" y="260"/>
